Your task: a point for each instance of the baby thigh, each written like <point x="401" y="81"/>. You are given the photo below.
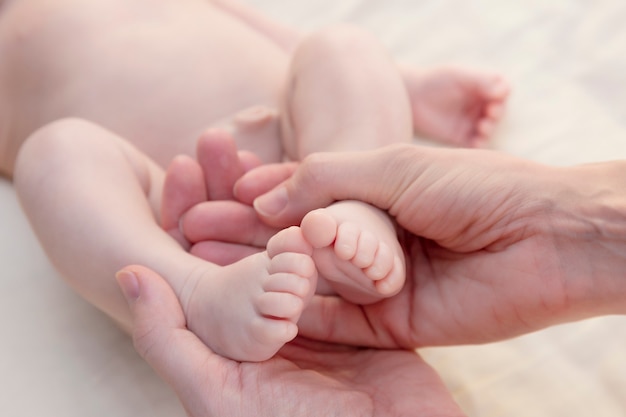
<point x="91" y="199"/>
<point x="343" y="93"/>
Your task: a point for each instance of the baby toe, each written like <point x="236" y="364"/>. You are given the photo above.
<point x="366" y="251"/>
<point x="383" y="263"/>
<point x="271" y="334"/>
<point x="494" y="111"/>
<point x="292" y="263"/>
<point x="288" y="283"/>
<point x="319" y="228"/>
<point x="279" y="305"/>
<point x="290" y="240"/>
<point x="394" y="280"/>
<point x="499" y="88"/>
<point x="485" y="128"/>
<point x="347" y="240"/>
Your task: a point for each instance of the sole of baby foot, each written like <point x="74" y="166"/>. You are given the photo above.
<point x="361" y="265"/>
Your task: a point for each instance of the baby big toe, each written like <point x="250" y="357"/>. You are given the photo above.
<point x="271" y="334"/>
<point x="319" y="228"/>
<point x="280" y="305"/>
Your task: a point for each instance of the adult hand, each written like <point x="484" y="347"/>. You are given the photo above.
<point x="304" y="379"/>
<point x="497" y="246"/>
<point x="198" y="207"/>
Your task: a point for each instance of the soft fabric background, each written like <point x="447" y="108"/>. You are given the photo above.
<point x="567" y="62"/>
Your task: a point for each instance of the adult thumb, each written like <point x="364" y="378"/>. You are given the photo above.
<point x="377" y="177"/>
<point x="160" y="334"/>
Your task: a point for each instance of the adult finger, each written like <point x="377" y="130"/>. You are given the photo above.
<point x="216" y="152"/>
<point x="376" y="177"/>
<point x="183" y="188"/>
<point x="161" y="338"/>
<point x="226" y="221"/>
<point x="260" y="180"/>
<point x="464" y="200"/>
<point x="249" y="160"/>
<point x="319" y="322"/>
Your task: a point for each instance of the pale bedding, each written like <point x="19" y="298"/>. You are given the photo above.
<point x="566" y="60"/>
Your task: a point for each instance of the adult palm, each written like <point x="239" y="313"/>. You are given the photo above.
<point x="305" y="379"/>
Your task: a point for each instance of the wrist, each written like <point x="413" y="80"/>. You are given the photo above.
<point x="588" y="224"/>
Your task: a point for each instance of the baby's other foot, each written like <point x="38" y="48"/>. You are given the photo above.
<point x="257" y="130"/>
<point x="458" y="106"/>
<point x="356" y="251"/>
<point x="248" y="310"/>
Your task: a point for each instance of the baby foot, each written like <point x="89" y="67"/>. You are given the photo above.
<point x="256" y="129"/>
<point x="459" y="106"/>
<point x="356" y="250"/>
<point x="248" y="310"/>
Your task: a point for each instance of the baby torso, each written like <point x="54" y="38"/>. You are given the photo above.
<point x="155" y="72"/>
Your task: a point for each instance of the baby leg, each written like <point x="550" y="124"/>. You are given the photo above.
<point x="455" y="105"/>
<point x="344" y="94"/>
<point x="93" y="202"/>
<point x="356" y="251"/>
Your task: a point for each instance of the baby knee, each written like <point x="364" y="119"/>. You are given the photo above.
<point x="50" y="145"/>
<point x="55" y="136"/>
<point x="339" y="41"/>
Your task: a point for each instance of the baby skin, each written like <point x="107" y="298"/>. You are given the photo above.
<point x="356" y="251"/>
<point x="118" y="152"/>
<point x="249" y="309"/>
<point x="355" y="246"/>
<point x="456" y="105"/>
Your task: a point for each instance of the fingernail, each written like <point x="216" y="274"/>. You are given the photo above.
<point x="129" y="284"/>
<point x="271" y="203"/>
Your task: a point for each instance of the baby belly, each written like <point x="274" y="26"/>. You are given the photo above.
<point x="157" y="75"/>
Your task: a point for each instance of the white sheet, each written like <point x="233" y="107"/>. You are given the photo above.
<point x="566" y="61"/>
